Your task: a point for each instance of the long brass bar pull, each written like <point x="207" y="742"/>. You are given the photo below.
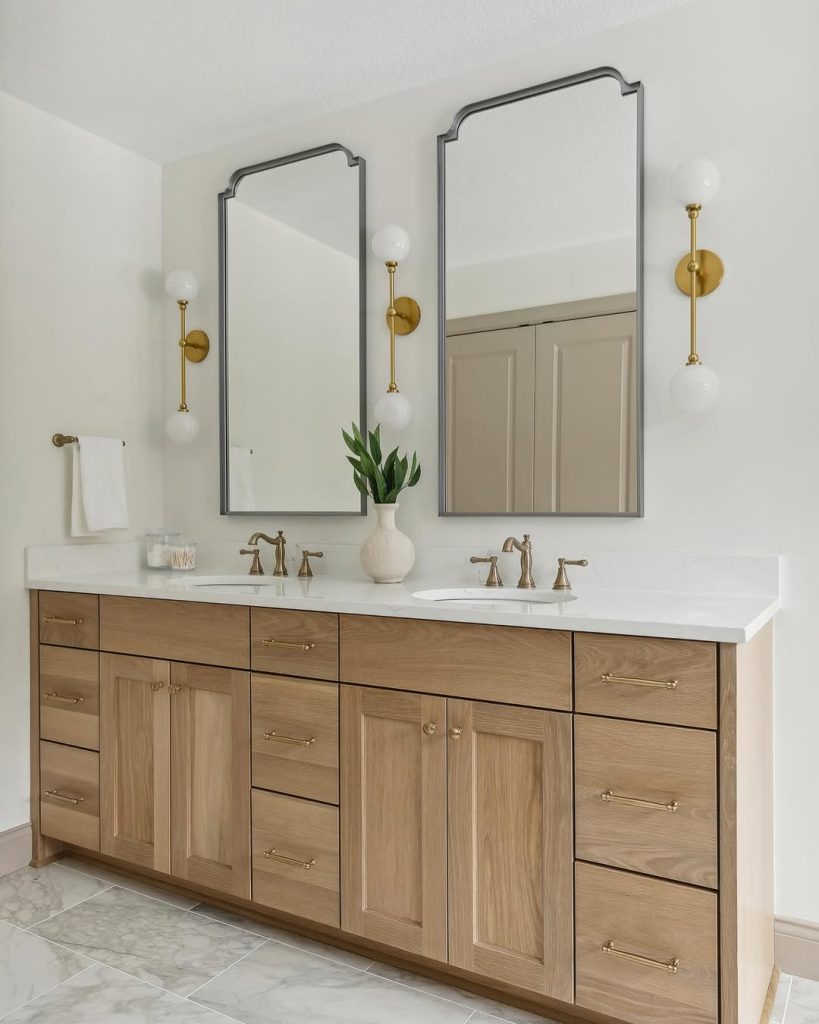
<point x="297" y="740"/>
<point x="659" y="684"/>
<point x="671" y="965"/>
<point x="62" y="796"/>
<point x="62" y="696"/>
<point x="290" y="645"/>
<point x="62" y="622"/>
<point x="632" y="801"/>
<point x="304" y="864"/>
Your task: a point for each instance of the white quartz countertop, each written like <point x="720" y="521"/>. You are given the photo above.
<point x="686" y="616"/>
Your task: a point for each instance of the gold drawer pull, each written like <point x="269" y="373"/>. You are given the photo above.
<point x="632" y="801"/>
<point x="661" y="965"/>
<point x="62" y="622"/>
<point x="62" y="796"/>
<point x="290" y="645"/>
<point x="661" y="684"/>
<point x="275" y="855"/>
<point x="62" y="696"/>
<point x="273" y="735"/>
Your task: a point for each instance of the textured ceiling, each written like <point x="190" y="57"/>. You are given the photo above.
<point x="168" y="78"/>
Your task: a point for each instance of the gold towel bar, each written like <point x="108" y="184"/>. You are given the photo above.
<point x="61" y="440"/>
<point x="662" y="965"/>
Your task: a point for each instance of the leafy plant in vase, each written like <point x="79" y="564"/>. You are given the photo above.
<point x="387" y="555"/>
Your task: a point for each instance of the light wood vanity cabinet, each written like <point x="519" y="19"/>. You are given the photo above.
<point x="581" y="822"/>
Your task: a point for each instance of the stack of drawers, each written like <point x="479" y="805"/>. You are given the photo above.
<point x="295" y="763"/>
<point x="646" y="828"/>
<point x="69" y="718"/>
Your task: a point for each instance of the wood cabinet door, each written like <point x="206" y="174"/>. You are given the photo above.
<point x="135" y="737"/>
<point x="393" y="806"/>
<point x="510" y="845"/>
<point x="210" y="777"/>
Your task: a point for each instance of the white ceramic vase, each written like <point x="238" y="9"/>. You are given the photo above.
<point x="387" y="555"/>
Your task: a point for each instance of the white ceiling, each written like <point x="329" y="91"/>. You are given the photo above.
<point x="169" y="78"/>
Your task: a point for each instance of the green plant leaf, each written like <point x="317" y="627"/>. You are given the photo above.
<point x="357" y="435"/>
<point x="414" y="477"/>
<point x="349" y="442"/>
<point x="375" y="447"/>
<point x="360" y="484"/>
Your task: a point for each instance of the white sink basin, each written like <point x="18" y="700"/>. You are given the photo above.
<point x="226" y="581"/>
<point x="504" y="596"/>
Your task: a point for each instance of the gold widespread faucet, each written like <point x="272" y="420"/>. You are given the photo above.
<point x="525" y="548"/>
<point x="278" y="543"/>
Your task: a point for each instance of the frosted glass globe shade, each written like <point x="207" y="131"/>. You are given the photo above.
<point x="393" y="411"/>
<point x="182" y="285"/>
<point x="694" y="388"/>
<point x="695" y="181"/>
<point x="391" y="243"/>
<point x="182" y="427"/>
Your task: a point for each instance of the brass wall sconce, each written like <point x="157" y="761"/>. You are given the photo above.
<point x="182" y="286"/>
<point x="391" y="244"/>
<point x="695" y="387"/>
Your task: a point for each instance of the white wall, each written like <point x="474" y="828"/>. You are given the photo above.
<point x="79" y="344"/>
<point x="726" y="78"/>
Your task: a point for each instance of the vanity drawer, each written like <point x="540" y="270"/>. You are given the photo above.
<point x="70" y="696"/>
<point x="671" y="681"/>
<point x="203" y="634"/>
<point x="644" y="770"/>
<point x="295" y="737"/>
<point x="69" y="620"/>
<point x="70" y="795"/>
<point x="504" y="664"/>
<point x="295" y="857"/>
<point x="657" y="923"/>
<point x="294" y="643"/>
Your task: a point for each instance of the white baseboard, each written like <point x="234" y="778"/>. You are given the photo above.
<point x="797" y="947"/>
<point x="15" y="848"/>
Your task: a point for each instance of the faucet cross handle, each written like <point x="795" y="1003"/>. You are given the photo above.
<point x="304" y="569"/>
<point x="493" y="579"/>
<point x="562" y="580"/>
<point x="256" y="565"/>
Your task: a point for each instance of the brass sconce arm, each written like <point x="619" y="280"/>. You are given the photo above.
<point x="193" y="346"/>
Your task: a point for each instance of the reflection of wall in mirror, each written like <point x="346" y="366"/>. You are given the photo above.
<point x="294" y="367"/>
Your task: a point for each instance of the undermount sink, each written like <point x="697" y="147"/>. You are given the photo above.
<point x="226" y="581"/>
<point x="496" y="595"/>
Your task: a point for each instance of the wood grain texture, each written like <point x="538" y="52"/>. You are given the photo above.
<point x="135" y="761"/>
<point x="510" y="846"/>
<point x="458" y="659"/>
<point x="393" y="807"/>
<point x="208" y="634"/>
<point x="659" y="763"/>
<point x="81" y="608"/>
<point x="210" y="777"/>
<point x="303" y="831"/>
<point x="693" y="663"/>
<point x="655" y="919"/>
<point x="746" y="826"/>
<point x="317" y="628"/>
<point x="43" y="848"/>
<point x="69" y="673"/>
<point x="74" y="773"/>
<point x="302" y="710"/>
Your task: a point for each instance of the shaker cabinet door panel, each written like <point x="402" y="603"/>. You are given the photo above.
<point x="393" y="810"/>
<point x="510" y="845"/>
<point x="135" y="738"/>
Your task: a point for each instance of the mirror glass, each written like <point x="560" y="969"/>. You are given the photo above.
<point x="293" y="345"/>
<point x="540" y="226"/>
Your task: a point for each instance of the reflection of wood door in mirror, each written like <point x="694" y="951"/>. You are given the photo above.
<point x="490" y="420"/>
<point x="585" y="416"/>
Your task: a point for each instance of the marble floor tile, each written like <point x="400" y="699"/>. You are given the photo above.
<point x="31" y="895"/>
<point x="489" y="1007"/>
<point x="153" y="941"/>
<point x="111" y="877"/>
<point x="803" y="1002"/>
<point x="781" y="1000"/>
<point x="101" y="995"/>
<point x="279" y="984"/>
<point x="30" y="966"/>
<point x="269" y="931"/>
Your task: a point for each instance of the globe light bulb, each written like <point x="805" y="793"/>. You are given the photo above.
<point x="182" y="285"/>
<point x="393" y="410"/>
<point x="182" y="427"/>
<point x="694" y="388"/>
<point x="695" y="181"/>
<point x="391" y="243"/>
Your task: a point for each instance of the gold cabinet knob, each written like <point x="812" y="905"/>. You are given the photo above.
<point x="455" y="732"/>
<point x="157" y="685"/>
<point x="430" y="728"/>
<point x="174" y="689"/>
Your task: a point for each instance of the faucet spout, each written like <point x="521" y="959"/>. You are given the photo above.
<point x="510" y="544"/>
<point x="525" y="548"/>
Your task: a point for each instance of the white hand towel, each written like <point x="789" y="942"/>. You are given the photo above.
<point x="98" y="499"/>
<point x="242" y="490"/>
